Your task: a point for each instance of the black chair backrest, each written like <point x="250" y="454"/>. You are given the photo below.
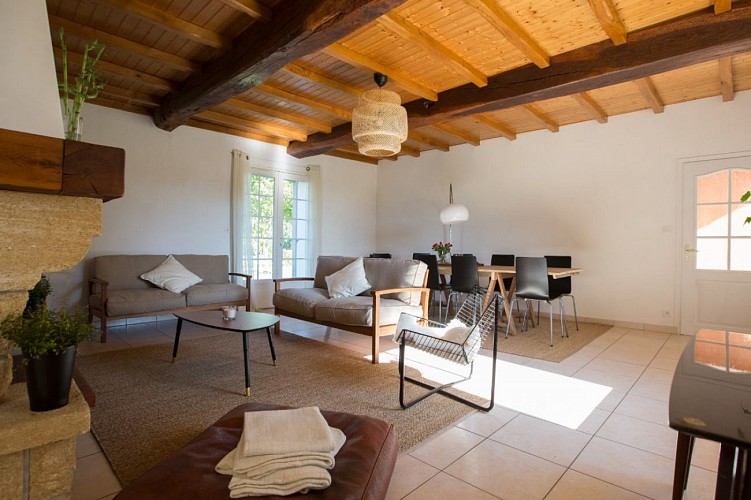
<point x="532" y="278"/>
<point x="380" y="256"/>
<point x="464" y="276"/>
<point x="434" y="280"/>
<point x="503" y="259"/>
<point x="560" y="286"/>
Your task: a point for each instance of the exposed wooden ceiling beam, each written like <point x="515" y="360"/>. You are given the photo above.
<point x="234" y="131"/>
<point x="402" y="27"/>
<point x="438" y="144"/>
<point x="648" y="90"/>
<point x="608" y="17"/>
<point x="667" y="46"/>
<point x="122" y="44"/>
<point x="591" y="107"/>
<point x="496" y="125"/>
<point x="352" y="156"/>
<point x="721" y="6"/>
<point x="349" y="56"/>
<point x="245" y="124"/>
<point x="282" y="115"/>
<point x="250" y="7"/>
<point x="332" y="109"/>
<point x="510" y="29"/>
<point x="299" y="29"/>
<point x="726" y="78"/>
<point x="160" y="18"/>
<point x="121" y="71"/>
<point x="409" y="151"/>
<point x="138" y="98"/>
<point x="541" y="117"/>
<point x="458" y="132"/>
<point x="320" y="79"/>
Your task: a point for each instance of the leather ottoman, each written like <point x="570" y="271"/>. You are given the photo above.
<point x="363" y="466"/>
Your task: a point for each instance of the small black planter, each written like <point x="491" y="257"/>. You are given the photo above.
<point x="48" y="379"/>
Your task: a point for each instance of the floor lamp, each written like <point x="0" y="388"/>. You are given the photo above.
<point x="453" y="213"/>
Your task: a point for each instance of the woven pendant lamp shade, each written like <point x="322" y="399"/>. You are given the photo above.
<point x="379" y="123"/>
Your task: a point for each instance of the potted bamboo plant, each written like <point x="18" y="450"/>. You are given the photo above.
<point x="48" y="341"/>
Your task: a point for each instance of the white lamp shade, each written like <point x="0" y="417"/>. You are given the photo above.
<point x="379" y="123"/>
<point x="454" y="213"/>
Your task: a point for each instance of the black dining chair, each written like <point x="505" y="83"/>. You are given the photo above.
<point x="380" y="256"/>
<point x="561" y="286"/>
<point x="464" y="277"/>
<point x="434" y="279"/>
<point x="532" y="284"/>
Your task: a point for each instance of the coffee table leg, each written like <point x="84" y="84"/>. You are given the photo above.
<point x="271" y="344"/>
<point x="177" y="338"/>
<point x="245" y="357"/>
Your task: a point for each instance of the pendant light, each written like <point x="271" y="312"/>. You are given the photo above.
<point x="379" y="121"/>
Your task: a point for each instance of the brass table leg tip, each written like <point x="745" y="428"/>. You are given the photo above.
<point x="274" y="362"/>
<point x="173" y="360"/>
<point x="247" y="391"/>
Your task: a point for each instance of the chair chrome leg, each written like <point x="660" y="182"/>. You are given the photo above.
<point x="564" y="326"/>
<point x="550" y="305"/>
<point x="576" y="318"/>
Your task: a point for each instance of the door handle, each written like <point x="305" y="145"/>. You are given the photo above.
<point x="688" y="248"/>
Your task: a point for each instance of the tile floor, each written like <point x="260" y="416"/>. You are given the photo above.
<point x="623" y="449"/>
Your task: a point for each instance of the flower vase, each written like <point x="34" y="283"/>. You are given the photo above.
<point x="73" y="126"/>
<point x="443" y="258"/>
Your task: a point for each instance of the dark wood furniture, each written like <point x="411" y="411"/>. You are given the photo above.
<point x="710" y="398"/>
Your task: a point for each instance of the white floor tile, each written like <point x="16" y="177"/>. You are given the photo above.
<point x="443" y="485"/>
<point x="654" y="438"/>
<point x="446" y="447"/>
<point x="574" y="485"/>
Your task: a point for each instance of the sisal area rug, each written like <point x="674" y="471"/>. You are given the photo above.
<point x="535" y="342"/>
<point x="148" y="407"/>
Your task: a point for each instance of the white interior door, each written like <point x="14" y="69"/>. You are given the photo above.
<point x="716" y="260"/>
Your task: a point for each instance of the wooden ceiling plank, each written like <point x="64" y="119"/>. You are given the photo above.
<point x="510" y="29"/>
<point x="320" y="79"/>
<point x="162" y="19"/>
<point x="607" y="15"/>
<point x="118" y="43"/>
<point x="349" y="56"/>
<point x="591" y="107"/>
<point x="121" y="71"/>
<point x="496" y="125"/>
<point x="250" y="7"/>
<point x="427" y="140"/>
<point x="458" y="132"/>
<point x="648" y="90"/>
<point x="346" y="155"/>
<point x="726" y="78"/>
<point x="685" y="41"/>
<point x="299" y="29"/>
<point x="235" y="121"/>
<point x="402" y="27"/>
<point x="721" y="6"/>
<point x="409" y="151"/>
<point x="541" y="117"/>
<point x="282" y="115"/>
<point x="234" y="131"/>
<point x="121" y="105"/>
<point x="332" y="109"/>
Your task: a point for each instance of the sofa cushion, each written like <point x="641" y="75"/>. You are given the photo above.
<point x="171" y="275"/>
<point x="212" y="269"/>
<point x="358" y="311"/>
<point x="122" y="271"/>
<point x="300" y="301"/>
<point x="384" y="274"/>
<point x="348" y="281"/>
<point x="201" y="294"/>
<point x="327" y="265"/>
<point x="124" y="302"/>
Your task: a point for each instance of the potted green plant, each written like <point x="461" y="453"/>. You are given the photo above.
<point x="48" y="341"/>
<point x="86" y="85"/>
<point x="38" y="295"/>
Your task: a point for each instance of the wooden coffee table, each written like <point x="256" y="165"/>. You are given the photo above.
<point x="244" y="322"/>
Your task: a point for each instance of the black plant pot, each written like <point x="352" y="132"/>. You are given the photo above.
<point x="48" y="379"/>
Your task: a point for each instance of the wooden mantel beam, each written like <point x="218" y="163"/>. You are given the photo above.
<point x="671" y="45"/>
<point x="299" y="29"/>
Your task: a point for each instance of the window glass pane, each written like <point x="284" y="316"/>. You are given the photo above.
<point x="265" y="249"/>
<point x="740" y="254"/>
<point x="301" y="249"/>
<point x="713" y="253"/>
<point x="738" y="227"/>
<point x="264" y="270"/>
<point x="741" y="182"/>
<point x="712" y="188"/>
<point x="266" y="185"/>
<point x="712" y="220"/>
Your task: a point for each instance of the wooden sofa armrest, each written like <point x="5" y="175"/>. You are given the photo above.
<point x="247" y="277"/>
<point x="278" y="282"/>
<point x="94" y="282"/>
<point x="424" y="297"/>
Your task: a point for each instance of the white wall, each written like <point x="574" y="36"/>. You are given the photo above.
<point x="177" y="192"/>
<point x="606" y="194"/>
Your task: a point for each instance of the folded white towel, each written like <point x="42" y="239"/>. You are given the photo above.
<point x="301" y="430"/>
<point x="259" y="465"/>
<point x="281" y="482"/>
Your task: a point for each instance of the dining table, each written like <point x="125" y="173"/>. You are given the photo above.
<point x="496" y="274"/>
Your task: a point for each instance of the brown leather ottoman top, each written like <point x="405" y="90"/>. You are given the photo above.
<point x="363" y="466"/>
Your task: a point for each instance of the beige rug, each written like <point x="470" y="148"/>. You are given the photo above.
<point x="147" y="407"/>
<point x="535" y="342"/>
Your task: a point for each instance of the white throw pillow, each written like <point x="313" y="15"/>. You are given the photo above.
<point x="171" y="275"/>
<point x="348" y="281"/>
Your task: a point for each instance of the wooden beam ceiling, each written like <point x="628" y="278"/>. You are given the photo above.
<point x="282" y="115"/>
<point x="682" y="42"/>
<point x="458" y="132"/>
<point x="726" y="78"/>
<point x="541" y="117"/>
<point x="648" y="90"/>
<point x="252" y="8"/>
<point x="332" y="109"/>
<point x="299" y="29"/>
<point x="591" y="107"/>
<point x="324" y="80"/>
<point x="499" y="127"/>
<point x="608" y="17"/>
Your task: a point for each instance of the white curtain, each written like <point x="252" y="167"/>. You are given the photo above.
<point x="241" y="257"/>
<point x="314" y="178"/>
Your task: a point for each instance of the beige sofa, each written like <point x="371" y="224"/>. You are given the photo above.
<point x="116" y="290"/>
<point x="397" y="286"/>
